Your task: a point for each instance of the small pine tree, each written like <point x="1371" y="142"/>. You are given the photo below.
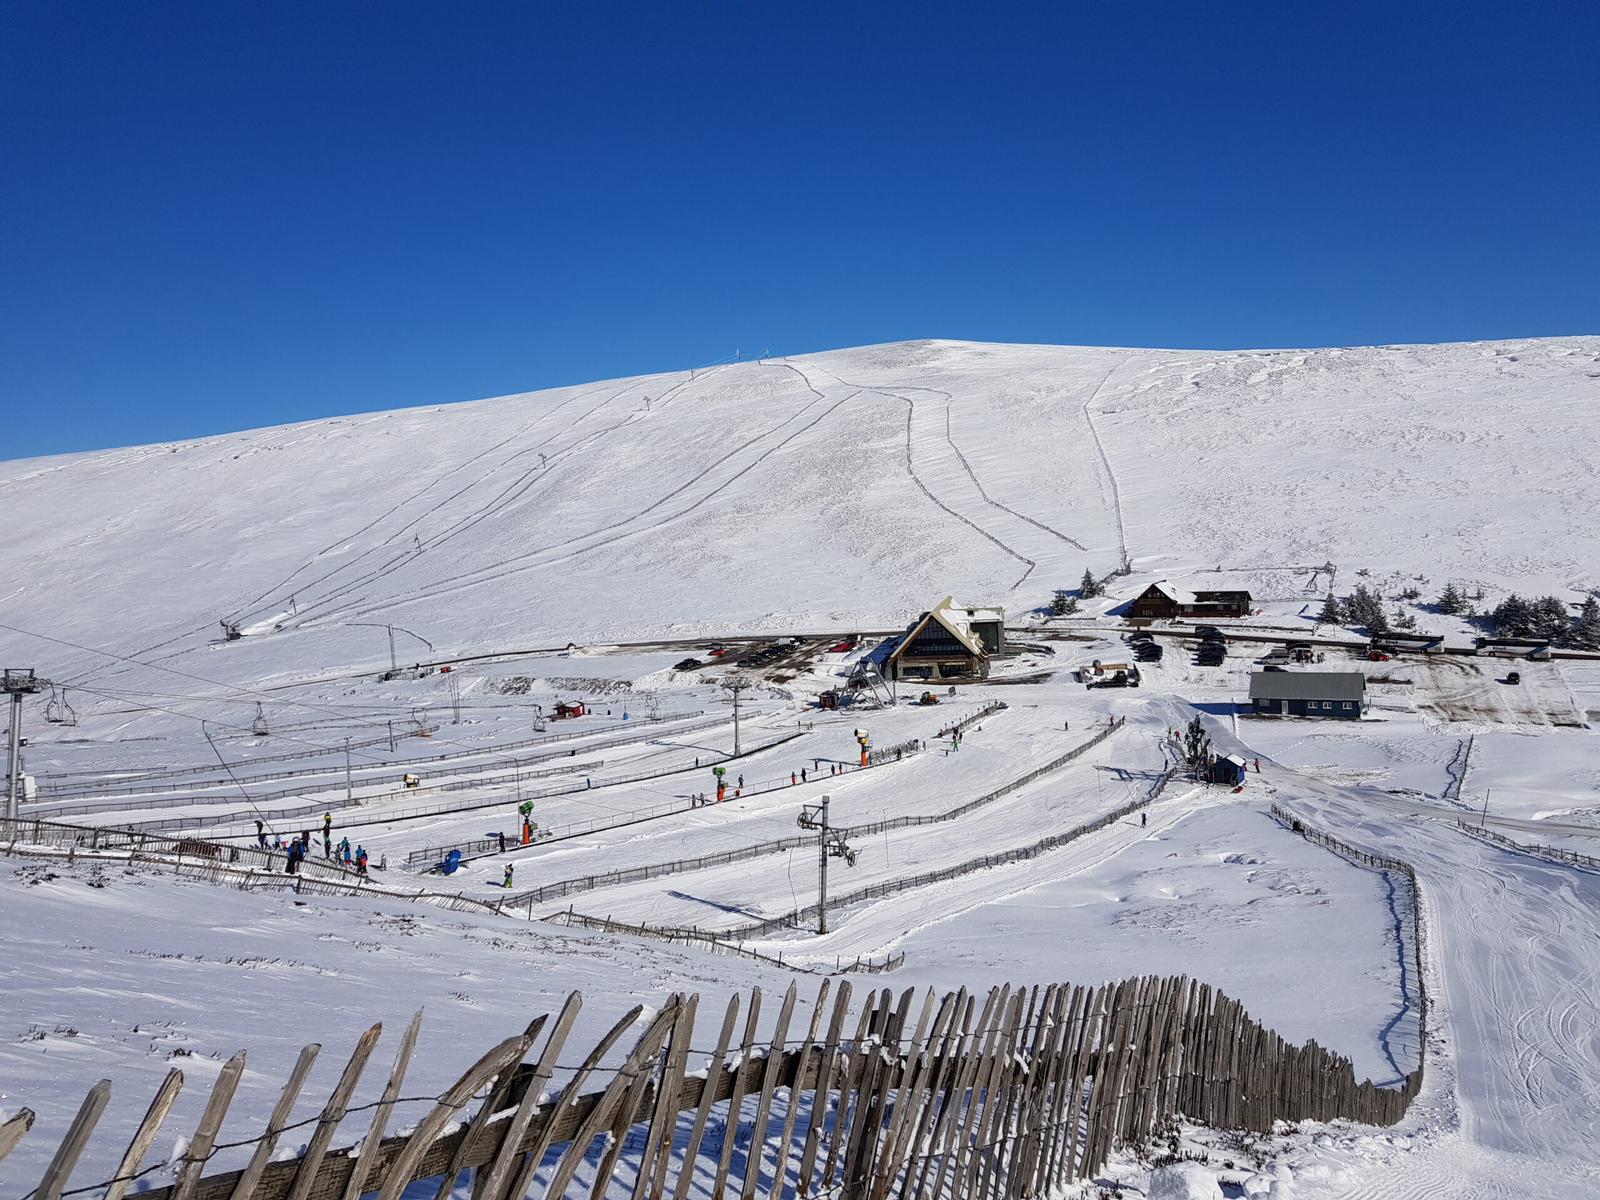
<point x="1550" y="620"/>
<point x="1404" y="620"/>
<point x="1587" y="633"/>
<point x="1064" y="604"/>
<point x="1365" y="608"/>
<point x="1411" y="593"/>
<point x="1332" y="611"/>
<point x="1450" y="600"/>
<point x="1090" y="587"/>
<point x="1196" y="744"/>
<point x="1513" y="617"/>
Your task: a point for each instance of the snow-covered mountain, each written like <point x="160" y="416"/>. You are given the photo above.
<point x="831" y="490"/>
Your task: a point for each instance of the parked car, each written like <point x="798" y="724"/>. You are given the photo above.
<point x="1141" y="636"/>
<point x="1377" y="656"/>
<point x="688" y="664"/>
<point x="1210" y="658"/>
<point x="1148" y="652"/>
<point x="1208" y="631"/>
<point x="1514" y="677"/>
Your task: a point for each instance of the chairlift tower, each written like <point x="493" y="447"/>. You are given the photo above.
<point x="735" y="684"/>
<point x="17" y="684"/>
<point x="830" y="844"/>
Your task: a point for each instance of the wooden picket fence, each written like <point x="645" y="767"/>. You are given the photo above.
<point x="1012" y="1095"/>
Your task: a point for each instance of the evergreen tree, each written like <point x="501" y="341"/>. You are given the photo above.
<point x="1512" y="617"/>
<point x="1090" y="587"/>
<point x="1332" y="612"/>
<point x="1404" y="620"/>
<point x="1549" y="619"/>
<point x="1064" y="604"/>
<point x="1450" y="600"/>
<point x="1196" y="744"/>
<point x="1587" y="634"/>
<point x="1365" y="608"/>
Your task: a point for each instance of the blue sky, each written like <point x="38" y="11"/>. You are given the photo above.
<point x="218" y="216"/>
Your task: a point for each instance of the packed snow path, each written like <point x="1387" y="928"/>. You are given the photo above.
<point x="1516" y="1007"/>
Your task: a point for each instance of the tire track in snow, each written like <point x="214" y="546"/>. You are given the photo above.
<point x="1105" y="462"/>
<point x="518" y="564"/>
<point x="508" y="495"/>
<point x="911" y="409"/>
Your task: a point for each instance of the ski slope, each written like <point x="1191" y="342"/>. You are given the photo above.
<point x="594" y="536"/>
<point x="837" y="490"/>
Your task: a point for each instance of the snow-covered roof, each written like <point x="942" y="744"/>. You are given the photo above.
<point x="992" y="613"/>
<point x="1172" y="592"/>
<point x="952" y="617"/>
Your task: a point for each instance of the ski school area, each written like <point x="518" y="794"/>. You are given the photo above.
<point x="959" y="814"/>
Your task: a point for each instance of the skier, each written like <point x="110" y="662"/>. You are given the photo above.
<point x="506" y="882"/>
<point x="793" y="779"/>
<point x="295" y="851"/>
<point x="1258" y="766"/>
<point x="741" y="781"/>
<point x="327" y="846"/>
<point x="1144" y="820"/>
<point x="502" y="839"/>
<point x="261" y="834"/>
<point x="327" y="824"/>
<point x="361" y="860"/>
<point x="802" y="774"/>
<point x="344" y="851"/>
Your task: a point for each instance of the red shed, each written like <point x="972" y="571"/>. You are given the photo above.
<point x="565" y="710"/>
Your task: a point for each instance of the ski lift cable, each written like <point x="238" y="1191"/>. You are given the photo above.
<point x="241" y="729"/>
<point x="233" y="687"/>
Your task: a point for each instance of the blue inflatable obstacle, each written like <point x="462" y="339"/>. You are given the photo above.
<point x="451" y="862"/>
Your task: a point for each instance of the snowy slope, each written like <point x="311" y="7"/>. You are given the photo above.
<point x="834" y="490"/>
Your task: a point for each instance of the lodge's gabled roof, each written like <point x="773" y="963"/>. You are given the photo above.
<point x="952" y="618"/>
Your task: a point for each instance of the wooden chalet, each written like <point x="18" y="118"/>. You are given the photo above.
<point x="949" y="642"/>
<point x="1163" y="601"/>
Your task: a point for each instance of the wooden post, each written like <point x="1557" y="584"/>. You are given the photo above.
<point x="205" y="1134"/>
<point x="66" y="1155"/>
<point x="780" y="1167"/>
<point x="965" y="1056"/>
<point x="380" y="1117"/>
<point x="160" y="1106"/>
<point x="332" y="1113"/>
<point x="956" y="1149"/>
<point x="492" y="1104"/>
<point x="769" y="1084"/>
<point x="570" y="1095"/>
<point x="400" y="1173"/>
<point x="708" y="1095"/>
<point x="736" y="1099"/>
<point x="490" y="1184"/>
<point x="827" y="1066"/>
<point x="912" y="1087"/>
<point x="944" y="1061"/>
<point x="12" y="1131"/>
<point x="622" y="1084"/>
<point x="664" y="1120"/>
<point x="999" y="1066"/>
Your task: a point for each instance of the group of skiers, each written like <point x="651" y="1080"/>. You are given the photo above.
<point x="297" y="850"/>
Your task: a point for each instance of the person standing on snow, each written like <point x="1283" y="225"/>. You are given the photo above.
<point x="506" y="882"/>
<point x="261" y="834"/>
<point x="361" y="860"/>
